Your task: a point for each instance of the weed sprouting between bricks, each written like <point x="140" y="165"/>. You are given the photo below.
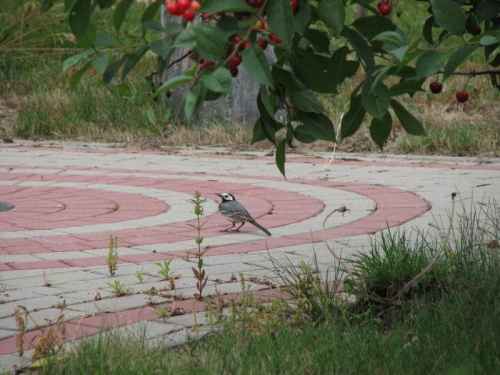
<point x="112" y="260"/>
<point x="199" y="273"/>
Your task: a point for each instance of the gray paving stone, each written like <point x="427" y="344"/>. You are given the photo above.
<point x="39" y="318"/>
<point x="112" y="304"/>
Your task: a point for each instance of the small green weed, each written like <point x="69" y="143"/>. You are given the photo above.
<point x="165" y="269"/>
<point x="112" y="260"/>
<point x="119" y="289"/>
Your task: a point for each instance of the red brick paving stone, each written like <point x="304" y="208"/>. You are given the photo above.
<point x="117" y="319"/>
<point x="4" y="267"/>
<point x="32" y="249"/>
<point x="158" y="239"/>
<point x="37" y="265"/>
<point x="146" y="257"/>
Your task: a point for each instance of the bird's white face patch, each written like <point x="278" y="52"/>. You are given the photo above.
<point x="227" y="196"/>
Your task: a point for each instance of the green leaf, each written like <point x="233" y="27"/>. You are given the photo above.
<point x="286" y="78"/>
<point x="269" y="124"/>
<point x="338" y="70"/>
<point x="456" y="59"/>
<point x="408" y="121"/>
<point x="400" y="53"/>
<point x="429" y="63"/>
<point x="487" y="10"/>
<point x="172" y="83"/>
<point x="409" y="87"/>
<point x="301" y="134"/>
<point x="111" y="71"/>
<point x="193" y="101"/>
<point x="280" y="18"/>
<point x="79" y="17"/>
<point x="376" y="101"/>
<point x="77" y="76"/>
<point x="210" y="39"/>
<point x="151" y="11"/>
<point x="87" y="40"/>
<point x="219" y="80"/>
<point x="103" y="4"/>
<point x="353" y="118"/>
<point x="120" y="13"/>
<point x="373" y="25"/>
<point x="308" y="66"/>
<point x="427" y="30"/>
<point x="305" y="101"/>
<point x="256" y="65"/>
<point x="215" y="6"/>
<point x="488" y="40"/>
<point x="268" y="100"/>
<point x="381" y="129"/>
<point x="75" y="59"/>
<point x="101" y="61"/>
<point x="361" y="47"/>
<point x="281" y="156"/>
<point x="133" y="59"/>
<point x="69" y="4"/>
<point x="161" y="46"/>
<point x="186" y="38"/>
<point x="104" y="40"/>
<point x="391" y="37"/>
<point x="317" y="125"/>
<point x="318" y="39"/>
<point x="332" y="13"/>
<point x="302" y="18"/>
<point x="258" y="133"/>
<point x="449" y="15"/>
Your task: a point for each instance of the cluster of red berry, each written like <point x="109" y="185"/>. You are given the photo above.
<point x="436" y="87"/>
<point x="239" y="42"/>
<point x="384" y="7"/>
<point x="185" y="8"/>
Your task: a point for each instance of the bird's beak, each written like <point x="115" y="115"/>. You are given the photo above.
<point x="218" y="195"/>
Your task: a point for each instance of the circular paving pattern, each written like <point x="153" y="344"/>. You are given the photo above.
<point x="65" y="217"/>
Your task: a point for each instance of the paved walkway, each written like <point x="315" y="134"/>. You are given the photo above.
<point x="69" y="200"/>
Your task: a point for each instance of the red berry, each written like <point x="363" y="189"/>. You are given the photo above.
<point x="188" y="15"/>
<point x="237" y="39"/>
<point x="273" y="38"/>
<point x="462" y="96"/>
<point x="235" y="61"/>
<point x="184" y="4"/>
<point x="475" y="30"/>
<point x="240" y="15"/>
<point x="436" y="87"/>
<point x="246" y="45"/>
<point x="233" y="70"/>
<point x="205" y="65"/>
<point x="262" y="43"/>
<point x="385" y="9"/>
<point x="174" y="9"/>
<point x="295" y="5"/>
<point x="195" y="5"/>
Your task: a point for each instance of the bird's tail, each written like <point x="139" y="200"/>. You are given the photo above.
<point x="260" y="227"/>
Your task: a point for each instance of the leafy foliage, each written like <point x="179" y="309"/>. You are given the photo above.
<point x="316" y="47"/>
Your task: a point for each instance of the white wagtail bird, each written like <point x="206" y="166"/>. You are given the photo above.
<point x="233" y="211"/>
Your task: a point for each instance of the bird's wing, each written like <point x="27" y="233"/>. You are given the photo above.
<point x="235" y="211"/>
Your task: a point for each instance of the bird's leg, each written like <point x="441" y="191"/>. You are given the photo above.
<point x="227" y="229"/>
<point x="238" y="229"/>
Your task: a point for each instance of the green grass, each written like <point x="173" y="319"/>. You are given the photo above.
<point x="455" y="330"/>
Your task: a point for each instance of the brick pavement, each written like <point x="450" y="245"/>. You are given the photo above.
<point x="68" y="201"/>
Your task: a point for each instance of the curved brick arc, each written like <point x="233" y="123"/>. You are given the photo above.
<point x="389" y="202"/>
<point x="52" y="207"/>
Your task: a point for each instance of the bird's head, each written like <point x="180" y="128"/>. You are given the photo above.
<point x="226" y="197"/>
